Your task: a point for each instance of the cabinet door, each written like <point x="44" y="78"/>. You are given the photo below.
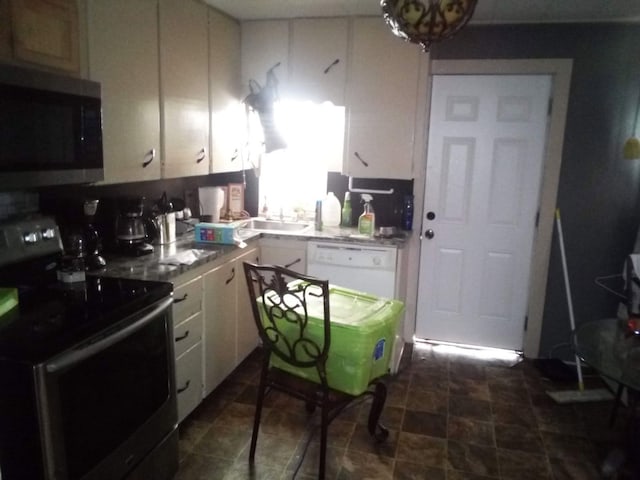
<point x="264" y="44"/>
<point x="227" y="110"/>
<point x="291" y="254"/>
<point x="189" y="380"/>
<point x="220" y="285"/>
<point x="185" y="92"/>
<point x="247" y="338"/>
<point x="46" y="32"/>
<point x="187" y="333"/>
<point x="123" y="58"/>
<point x="319" y="59"/>
<point x="381" y="102"/>
<point x="187" y="298"/>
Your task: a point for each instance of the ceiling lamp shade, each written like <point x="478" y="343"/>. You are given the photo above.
<point x="426" y="21"/>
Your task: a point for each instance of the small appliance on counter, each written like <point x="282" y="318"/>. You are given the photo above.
<point x="93" y="244"/>
<point x="134" y="231"/>
<point x="164" y="221"/>
<point x="212" y="203"/>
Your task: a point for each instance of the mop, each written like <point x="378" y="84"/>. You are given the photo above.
<point x="580" y="395"/>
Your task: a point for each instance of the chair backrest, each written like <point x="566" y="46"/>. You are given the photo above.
<point x="291" y="312"/>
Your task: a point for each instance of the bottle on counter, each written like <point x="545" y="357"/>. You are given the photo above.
<point x="346" y="210"/>
<point x="367" y="221"/>
<point x="330" y="211"/>
<point x="318" y="218"/>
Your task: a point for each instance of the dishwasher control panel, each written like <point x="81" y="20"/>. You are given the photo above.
<point x="352" y="255"/>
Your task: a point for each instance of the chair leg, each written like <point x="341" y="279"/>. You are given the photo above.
<point x="375" y="428"/>
<point x="324" y="429"/>
<point x="262" y="387"/>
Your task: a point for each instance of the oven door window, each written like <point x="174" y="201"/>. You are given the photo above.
<point x="106" y="398"/>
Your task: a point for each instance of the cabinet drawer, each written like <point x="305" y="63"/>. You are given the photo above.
<point x="187" y="334"/>
<point x="187" y="300"/>
<point x="189" y="380"/>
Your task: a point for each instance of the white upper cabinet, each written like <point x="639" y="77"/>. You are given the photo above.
<point x="382" y="89"/>
<point x="123" y="45"/>
<point x="184" y="75"/>
<point x="227" y="111"/>
<point x="318" y="61"/>
<point x="265" y="43"/>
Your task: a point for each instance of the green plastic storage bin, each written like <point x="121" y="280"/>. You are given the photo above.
<point x="363" y="329"/>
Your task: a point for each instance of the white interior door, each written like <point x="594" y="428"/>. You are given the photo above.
<point x="484" y="168"/>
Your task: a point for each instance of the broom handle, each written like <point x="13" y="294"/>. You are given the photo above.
<point x="568" y="290"/>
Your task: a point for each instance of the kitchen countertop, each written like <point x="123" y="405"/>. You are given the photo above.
<point x="153" y="266"/>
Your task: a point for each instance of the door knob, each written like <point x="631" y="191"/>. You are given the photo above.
<point x="429" y="234"/>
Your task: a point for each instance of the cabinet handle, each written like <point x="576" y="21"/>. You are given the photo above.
<point x="203" y="155"/>
<point x="180" y="390"/>
<point x="361" y="159"/>
<point x="186" y="334"/>
<point x="151" y="155"/>
<point x="331" y="65"/>
<point x="233" y="274"/>
<point x="297" y="260"/>
<point x="178" y="300"/>
<point x="235" y="155"/>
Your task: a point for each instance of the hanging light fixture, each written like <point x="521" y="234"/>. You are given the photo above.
<point x="426" y="21"/>
<point x="631" y="149"/>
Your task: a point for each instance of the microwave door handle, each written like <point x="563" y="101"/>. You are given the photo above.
<point x="78" y="356"/>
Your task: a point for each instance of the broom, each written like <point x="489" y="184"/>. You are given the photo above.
<point x="580" y="395"/>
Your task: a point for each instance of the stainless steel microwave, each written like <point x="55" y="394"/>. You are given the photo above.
<point x="50" y="129"/>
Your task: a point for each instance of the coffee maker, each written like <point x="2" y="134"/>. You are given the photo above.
<point x="133" y="230"/>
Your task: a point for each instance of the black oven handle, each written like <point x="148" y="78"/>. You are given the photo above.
<point x="78" y="356"/>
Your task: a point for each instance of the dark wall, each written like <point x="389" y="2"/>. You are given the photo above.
<point x="598" y="191"/>
<point x="65" y="202"/>
<point x="387" y="207"/>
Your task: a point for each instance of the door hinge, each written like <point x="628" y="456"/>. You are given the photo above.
<point x="550" y="107"/>
<point x="537" y="218"/>
<point x="526" y="322"/>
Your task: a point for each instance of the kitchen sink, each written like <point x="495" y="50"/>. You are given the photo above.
<point x="276" y="225"/>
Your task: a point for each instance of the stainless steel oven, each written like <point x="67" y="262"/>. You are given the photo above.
<point x="87" y="382"/>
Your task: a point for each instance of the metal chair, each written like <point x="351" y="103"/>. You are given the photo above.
<point x="280" y="300"/>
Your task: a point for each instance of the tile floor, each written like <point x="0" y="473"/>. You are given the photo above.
<point x="450" y="417"/>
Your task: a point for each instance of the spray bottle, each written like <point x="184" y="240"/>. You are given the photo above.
<point x="367" y="221"/>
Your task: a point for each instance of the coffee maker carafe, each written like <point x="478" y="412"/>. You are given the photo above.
<point x="133" y="228"/>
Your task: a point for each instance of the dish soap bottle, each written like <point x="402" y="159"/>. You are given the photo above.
<point x="367" y="221"/>
<point x="346" y="210"/>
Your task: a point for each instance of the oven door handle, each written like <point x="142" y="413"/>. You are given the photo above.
<point x="78" y="356"/>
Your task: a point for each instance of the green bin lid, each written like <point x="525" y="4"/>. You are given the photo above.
<point x="353" y="309"/>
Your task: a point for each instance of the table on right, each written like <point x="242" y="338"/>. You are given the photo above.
<point x="613" y="350"/>
<point x="609" y="347"/>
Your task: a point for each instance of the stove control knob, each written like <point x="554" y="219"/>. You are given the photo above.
<point x="48" y="233"/>
<point x="31" y="237"/>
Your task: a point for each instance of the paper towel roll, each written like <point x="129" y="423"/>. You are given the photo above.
<point x="211" y="202"/>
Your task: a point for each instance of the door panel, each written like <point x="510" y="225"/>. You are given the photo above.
<point x="484" y="169"/>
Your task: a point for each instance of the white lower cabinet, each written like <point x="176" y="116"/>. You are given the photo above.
<point x="187" y="337"/>
<point x="228" y="339"/>
<point x="189" y="380"/>
<point x="247" y="338"/>
<point x="288" y="253"/>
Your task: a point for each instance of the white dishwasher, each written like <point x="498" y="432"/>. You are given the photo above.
<point x="365" y="268"/>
